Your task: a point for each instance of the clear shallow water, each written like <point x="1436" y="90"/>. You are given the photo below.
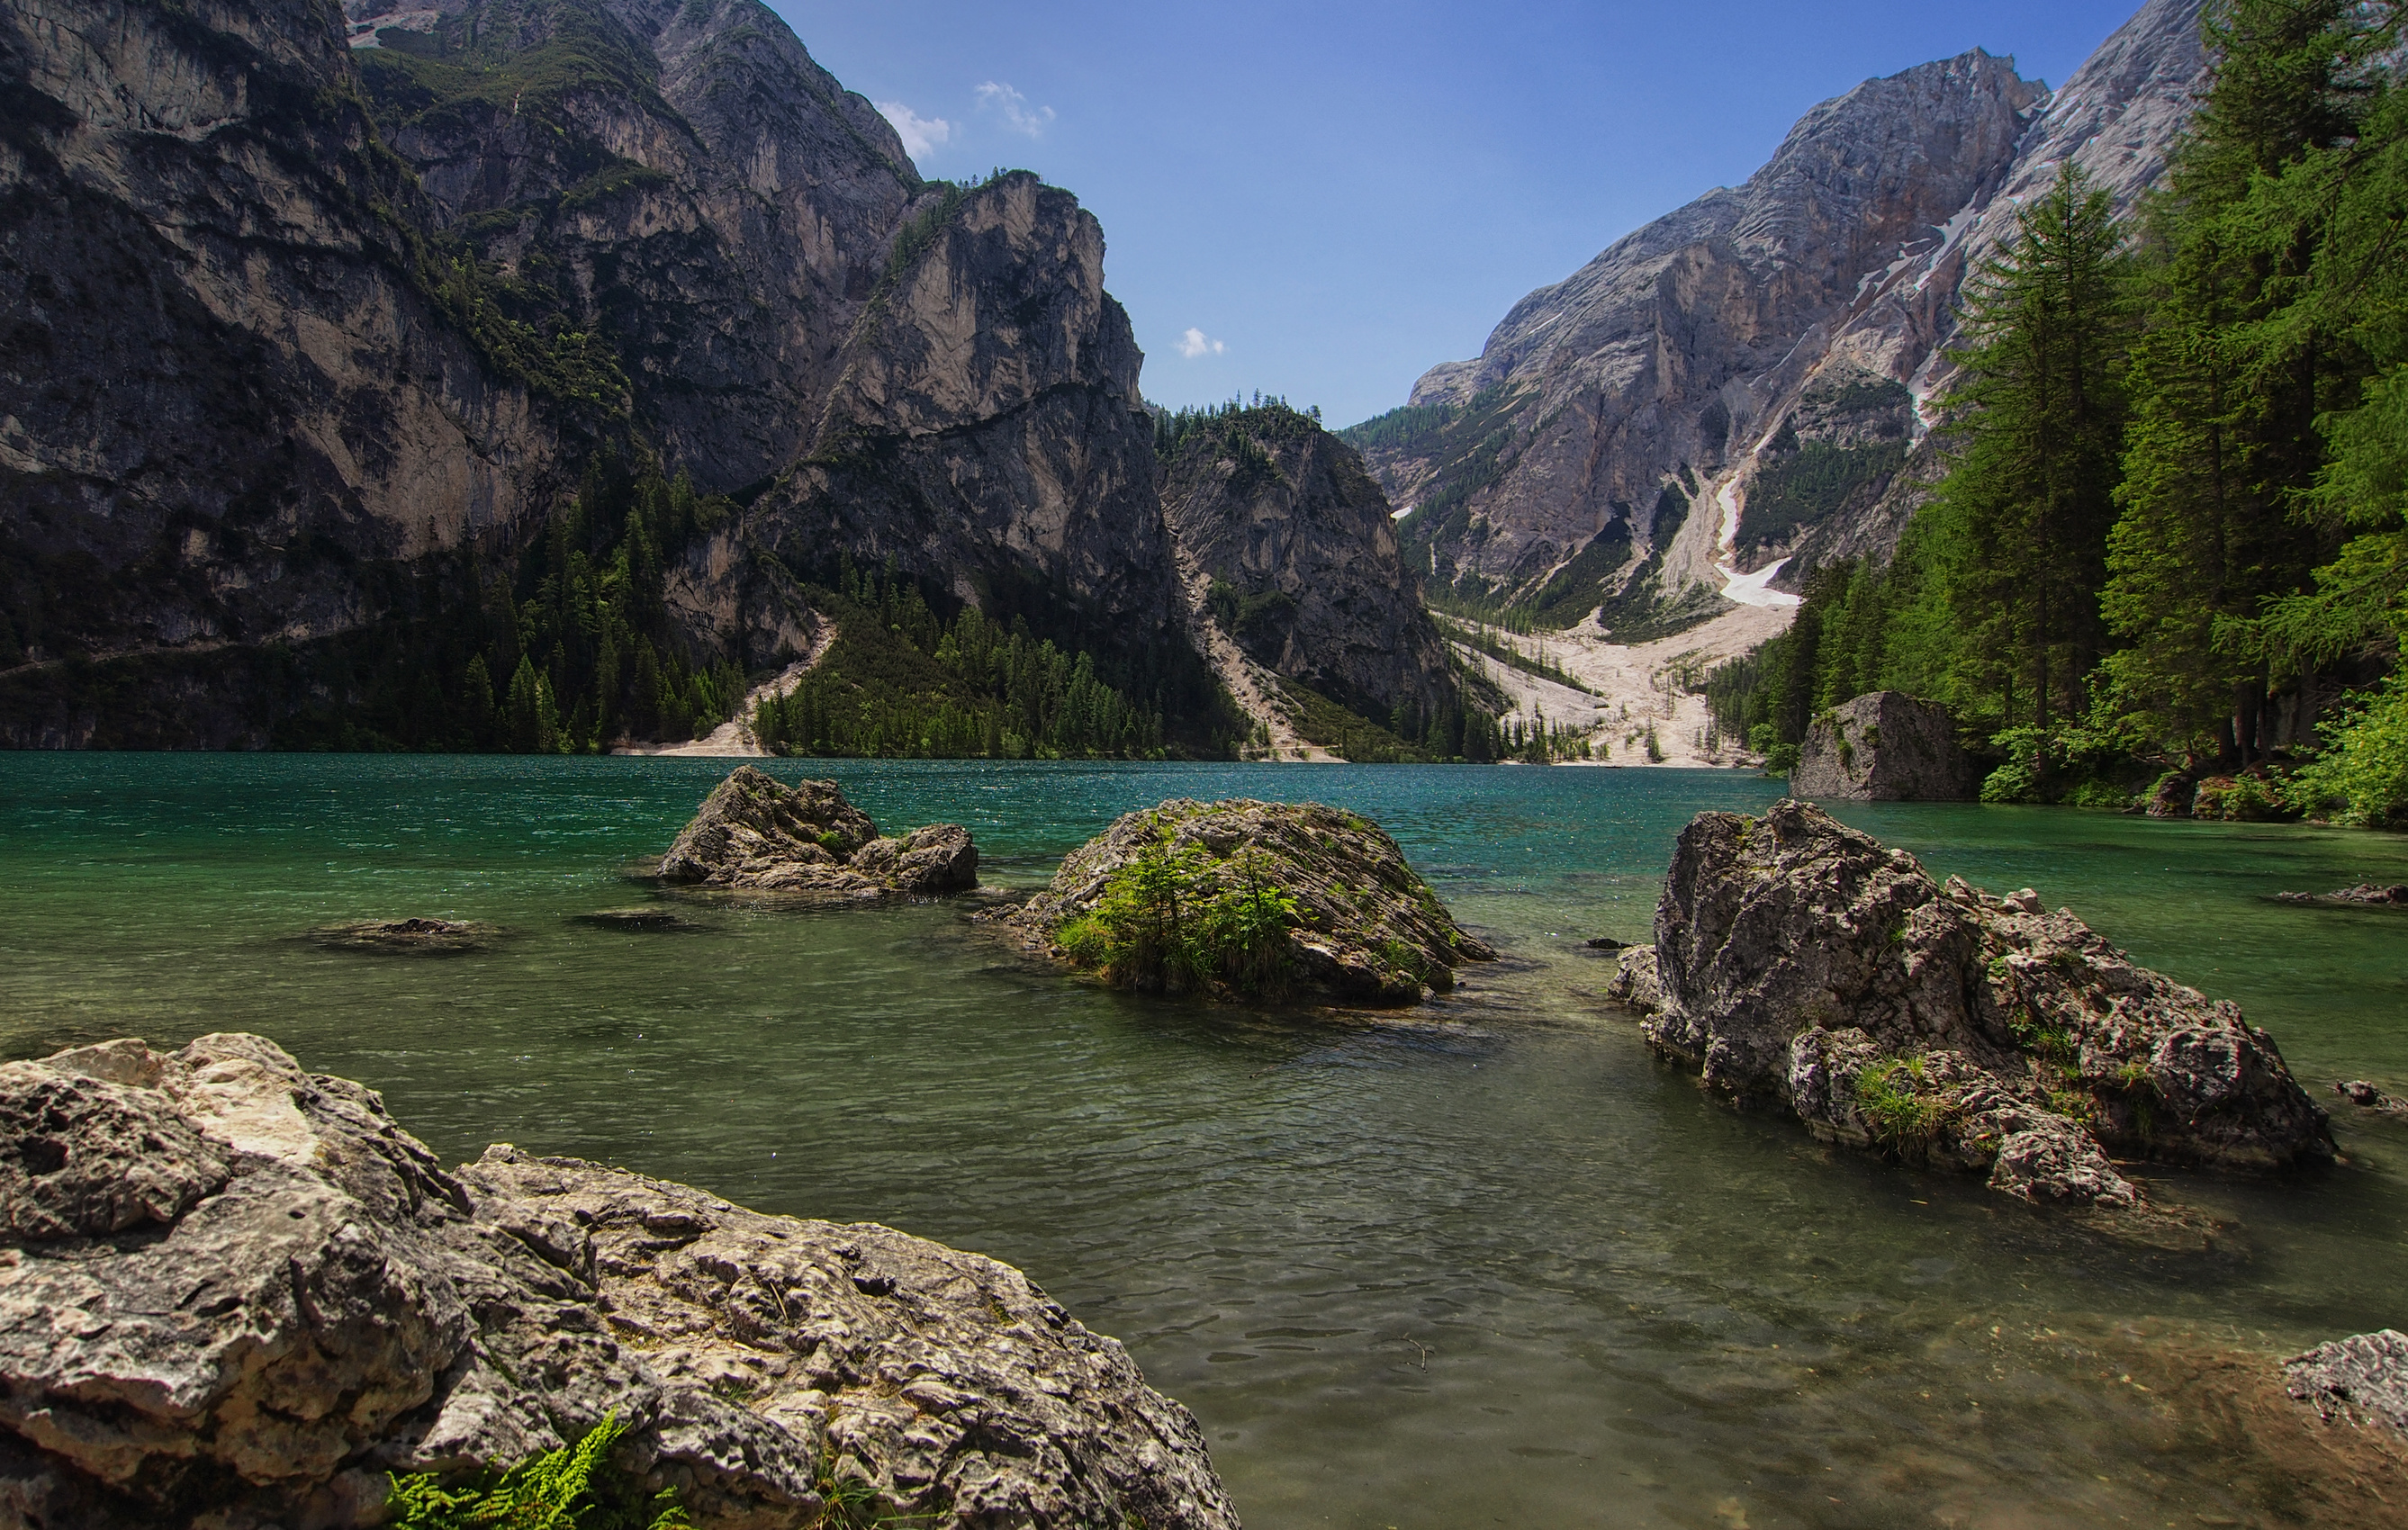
<point x="1487" y="1264"/>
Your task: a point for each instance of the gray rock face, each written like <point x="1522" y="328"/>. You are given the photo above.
<point x="303" y="1301"/>
<point x="1883" y="747"/>
<point x="2362" y="1380"/>
<point x="393" y="295"/>
<point x="1297" y="546"/>
<point x="1803" y="966"/>
<point x="987" y="433"/>
<point x="1367" y="929"/>
<point x="1677" y="355"/>
<point x="755" y="834"/>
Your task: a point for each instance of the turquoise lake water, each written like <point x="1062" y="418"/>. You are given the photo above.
<point x="1486" y="1263"/>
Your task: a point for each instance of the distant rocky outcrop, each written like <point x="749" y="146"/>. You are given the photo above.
<point x="279" y="1296"/>
<point x="1803" y="965"/>
<point x="1883" y="747"/>
<point x="2362" y="1380"/>
<point x="1243" y="900"/>
<point x="1288" y="546"/>
<point x="754" y="833"/>
<point x="2364" y="895"/>
<point x="1806" y="313"/>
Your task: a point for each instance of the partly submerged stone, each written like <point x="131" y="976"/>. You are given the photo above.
<point x="1364" y="927"/>
<point x="2364" y="895"/>
<point x="752" y="832"/>
<point x="1883" y="745"/>
<point x="408" y="936"/>
<point x="236" y="1294"/>
<point x="1801" y="964"/>
<point x="2362" y="1380"/>
<point x="650" y="920"/>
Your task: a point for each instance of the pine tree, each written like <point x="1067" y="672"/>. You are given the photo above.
<point x="2023" y="517"/>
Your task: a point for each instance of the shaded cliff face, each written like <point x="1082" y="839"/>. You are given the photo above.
<point x="985" y="431"/>
<point x="1296" y="551"/>
<point x="225" y="379"/>
<point x="302" y="303"/>
<point x="679" y="181"/>
<point x="1705" y="350"/>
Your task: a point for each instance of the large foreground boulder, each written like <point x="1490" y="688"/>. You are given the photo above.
<point x="1801" y="964"/>
<point x="752" y="832"/>
<point x="1250" y="901"/>
<point x="1884" y="746"/>
<point x="235" y="1293"/>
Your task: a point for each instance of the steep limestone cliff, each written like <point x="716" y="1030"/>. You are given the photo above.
<point x="305" y="305"/>
<point x="1290" y="548"/>
<point x="1703" y="353"/>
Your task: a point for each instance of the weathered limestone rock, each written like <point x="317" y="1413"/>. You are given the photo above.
<point x="1634" y="984"/>
<point x="1803" y="965"/>
<point x="1883" y="745"/>
<point x="236" y="1291"/>
<point x="752" y="832"/>
<point x="2362" y="1380"/>
<point x="1367" y="929"/>
<point x="408" y="936"/>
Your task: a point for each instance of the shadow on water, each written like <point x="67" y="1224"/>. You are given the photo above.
<point x="1488" y="1261"/>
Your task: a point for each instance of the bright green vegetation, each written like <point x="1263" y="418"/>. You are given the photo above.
<point x="900" y="681"/>
<point x="576" y="1487"/>
<point x="561" y="649"/>
<point x="1236" y="428"/>
<point x="1173" y="920"/>
<point x="1898" y="1117"/>
<point x="2173" y="528"/>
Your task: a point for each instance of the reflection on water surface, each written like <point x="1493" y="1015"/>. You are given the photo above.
<point x="1488" y="1263"/>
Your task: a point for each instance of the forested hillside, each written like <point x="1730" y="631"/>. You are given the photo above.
<point x="2171" y="536"/>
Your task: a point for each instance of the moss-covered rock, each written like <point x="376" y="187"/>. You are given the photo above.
<point x="754" y="833"/>
<point x="1246" y="901"/>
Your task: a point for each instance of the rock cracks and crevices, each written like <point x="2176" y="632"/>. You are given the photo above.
<point x="235" y="1293"/>
<point x="1358" y="924"/>
<point x="1798" y="963"/>
<point x="2362" y="1380"/>
<point x="752" y="833"/>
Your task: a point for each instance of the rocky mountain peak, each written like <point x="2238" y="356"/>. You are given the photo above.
<point x="1673" y="361"/>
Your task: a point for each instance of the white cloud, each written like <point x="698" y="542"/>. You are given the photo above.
<point x="1196" y="343"/>
<point x="919" y="134"/>
<point x="1018" y="115"/>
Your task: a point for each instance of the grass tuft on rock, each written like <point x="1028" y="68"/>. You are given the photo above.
<point x="1173" y="920"/>
<point x="576" y="1487"/>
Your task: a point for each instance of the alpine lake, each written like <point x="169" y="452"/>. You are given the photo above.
<point x="1485" y="1262"/>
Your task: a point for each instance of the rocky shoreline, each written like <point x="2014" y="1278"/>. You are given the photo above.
<point x="237" y="1293"/>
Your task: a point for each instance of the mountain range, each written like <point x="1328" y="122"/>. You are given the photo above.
<point x="1747" y="385"/>
<point x="315" y="319"/>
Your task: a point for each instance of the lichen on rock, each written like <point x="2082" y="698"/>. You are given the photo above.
<point x="1250" y="901"/>
<point x="235" y="1293"/>
<point x="1801" y="964"/>
<point x="756" y="834"/>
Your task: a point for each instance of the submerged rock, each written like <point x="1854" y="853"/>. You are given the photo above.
<point x="1803" y="965"/>
<point x="754" y="833"/>
<point x="2361" y="1379"/>
<point x="2366" y="894"/>
<point x="234" y="1292"/>
<point x="2366" y="1097"/>
<point x="1883" y="745"/>
<point x="425" y="937"/>
<point x="1356" y="924"/>
<point x="635" y="918"/>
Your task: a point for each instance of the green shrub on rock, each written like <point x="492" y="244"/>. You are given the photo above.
<point x="576" y="1487"/>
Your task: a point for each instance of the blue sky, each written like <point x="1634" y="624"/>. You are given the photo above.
<point x="1335" y="196"/>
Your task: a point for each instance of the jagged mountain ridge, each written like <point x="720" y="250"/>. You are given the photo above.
<point x="1704" y="352"/>
<point x="398" y="274"/>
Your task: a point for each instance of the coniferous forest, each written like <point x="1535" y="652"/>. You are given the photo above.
<point x="2170" y="537"/>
